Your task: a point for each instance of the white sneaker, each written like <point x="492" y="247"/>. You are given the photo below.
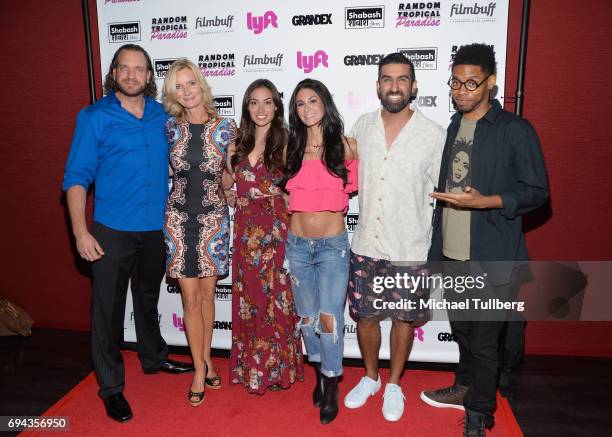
<point x="358" y="396"/>
<point x="393" y="405"/>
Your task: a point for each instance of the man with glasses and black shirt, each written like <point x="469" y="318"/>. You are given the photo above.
<point x="492" y="173"/>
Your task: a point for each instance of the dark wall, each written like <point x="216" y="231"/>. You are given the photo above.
<point x="44" y="80"/>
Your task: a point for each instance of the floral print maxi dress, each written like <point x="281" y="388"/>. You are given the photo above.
<point x="266" y="346"/>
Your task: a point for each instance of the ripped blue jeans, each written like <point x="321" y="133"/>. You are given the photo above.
<point x="319" y="270"/>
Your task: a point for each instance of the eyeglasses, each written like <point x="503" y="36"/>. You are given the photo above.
<point x="470" y="84"/>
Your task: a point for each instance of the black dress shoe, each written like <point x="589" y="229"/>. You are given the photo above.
<point x="117" y="408"/>
<point x="171" y="366"/>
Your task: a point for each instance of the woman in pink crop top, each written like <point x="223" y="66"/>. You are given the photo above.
<point x="320" y="173"/>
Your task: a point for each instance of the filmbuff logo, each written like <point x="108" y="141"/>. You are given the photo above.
<point x="217" y="64"/>
<point x="418" y="14"/>
<point x="263" y="63"/>
<point x="258" y="24"/>
<point x="124" y="32"/>
<point x="161" y="67"/>
<point x="223" y="292"/>
<point x="214" y="25"/>
<point x="311" y="62"/>
<point x="224" y="105"/>
<point x="423" y="58"/>
<point x="311" y="20"/>
<point x="351" y="222"/>
<point x="169" y="28"/>
<point x="366" y="17"/>
<point x="460" y="13"/>
<point x="356" y="60"/>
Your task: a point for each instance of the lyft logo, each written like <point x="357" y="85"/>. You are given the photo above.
<point x="259" y="23"/>
<point x="419" y="334"/>
<point x="310" y="62"/>
<point x="178" y="322"/>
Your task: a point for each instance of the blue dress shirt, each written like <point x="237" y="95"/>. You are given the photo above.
<point x="127" y="160"/>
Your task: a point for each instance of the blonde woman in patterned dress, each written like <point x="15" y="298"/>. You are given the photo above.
<point x="196" y="224"/>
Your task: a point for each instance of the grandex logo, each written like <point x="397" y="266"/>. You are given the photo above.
<point x="366" y="17"/>
<point x="258" y="23"/>
<point x="423" y="58"/>
<point x="474" y="13"/>
<point x="351" y="222"/>
<point x="252" y="63"/>
<point x="169" y="28"/>
<point x="426" y="101"/>
<point x="446" y="337"/>
<point x="161" y="67"/>
<point x="217" y="64"/>
<point x="223" y="292"/>
<point x="214" y="25"/>
<point x="418" y="14"/>
<point x="311" y="20"/>
<point x="226" y="326"/>
<point x="356" y="60"/>
<point x="310" y="62"/>
<point x="124" y="32"/>
<point x="224" y="105"/>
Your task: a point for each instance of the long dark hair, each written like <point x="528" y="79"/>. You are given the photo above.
<point x="276" y="138"/>
<point x="331" y="126"/>
<point x="111" y="85"/>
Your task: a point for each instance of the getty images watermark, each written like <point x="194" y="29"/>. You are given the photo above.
<point x="401" y="283"/>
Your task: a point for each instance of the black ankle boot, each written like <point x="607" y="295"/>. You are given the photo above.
<point x="474" y="425"/>
<point x="317" y="393"/>
<point x="329" y="407"/>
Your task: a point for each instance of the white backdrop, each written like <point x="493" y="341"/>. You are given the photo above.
<point x="235" y="42"/>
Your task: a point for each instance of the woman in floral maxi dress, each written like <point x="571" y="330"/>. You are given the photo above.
<point x="266" y="347"/>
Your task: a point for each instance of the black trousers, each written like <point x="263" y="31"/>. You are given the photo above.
<point x="129" y="256"/>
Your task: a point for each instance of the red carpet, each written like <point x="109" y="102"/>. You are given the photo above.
<point x="160" y="407"/>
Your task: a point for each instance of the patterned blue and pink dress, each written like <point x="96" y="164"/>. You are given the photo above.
<point x="196" y="221"/>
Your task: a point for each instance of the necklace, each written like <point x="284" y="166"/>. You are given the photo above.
<point x="316" y="146"/>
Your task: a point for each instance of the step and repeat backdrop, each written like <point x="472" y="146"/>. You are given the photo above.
<point x="235" y="42"/>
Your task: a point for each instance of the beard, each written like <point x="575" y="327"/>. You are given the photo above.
<point x="134" y="92"/>
<point x="394" y="107"/>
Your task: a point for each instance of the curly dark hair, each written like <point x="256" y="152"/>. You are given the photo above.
<point x="331" y="126"/>
<point x="111" y="85"/>
<point x="477" y="54"/>
<point x="276" y="138"/>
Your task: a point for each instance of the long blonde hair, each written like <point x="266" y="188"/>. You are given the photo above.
<point x="171" y="104"/>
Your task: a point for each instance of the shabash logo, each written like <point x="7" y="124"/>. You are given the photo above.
<point x="472" y="13"/>
<point x="253" y="63"/>
<point x="423" y="58"/>
<point x="217" y="64"/>
<point x="204" y="25"/>
<point x="169" y="28"/>
<point x="223" y="292"/>
<point x="357" y="60"/>
<point x="161" y="67"/>
<point x="364" y="17"/>
<point x="258" y="23"/>
<point x="224" y="105"/>
<point x="311" y="62"/>
<point x="128" y="31"/>
<point x="418" y="14"/>
<point x="351" y="222"/>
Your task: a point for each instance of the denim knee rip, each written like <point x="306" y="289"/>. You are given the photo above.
<point x="315" y="323"/>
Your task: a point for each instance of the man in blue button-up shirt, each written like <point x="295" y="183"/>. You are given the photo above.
<point x="119" y="145"/>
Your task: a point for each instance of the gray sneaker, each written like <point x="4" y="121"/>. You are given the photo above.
<point x="448" y="397"/>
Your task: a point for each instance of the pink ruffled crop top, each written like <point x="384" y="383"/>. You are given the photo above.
<point x="314" y="188"/>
